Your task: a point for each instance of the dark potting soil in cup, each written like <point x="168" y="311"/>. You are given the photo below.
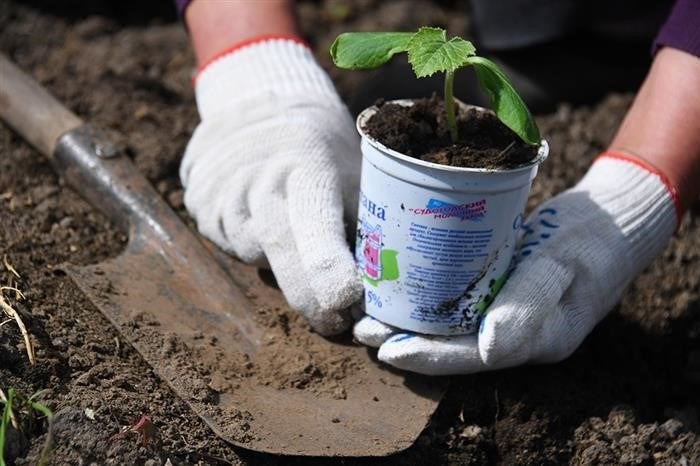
<point x="421" y="131"/>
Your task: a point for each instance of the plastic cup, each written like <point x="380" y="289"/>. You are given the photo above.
<point x="435" y="242"/>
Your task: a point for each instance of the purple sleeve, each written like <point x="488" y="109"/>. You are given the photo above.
<point x="682" y="28"/>
<point x="181" y="6"/>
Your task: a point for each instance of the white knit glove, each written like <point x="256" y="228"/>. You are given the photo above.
<point x="271" y="170"/>
<point x="578" y="253"/>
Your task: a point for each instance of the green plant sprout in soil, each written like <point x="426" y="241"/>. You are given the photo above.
<point x="429" y="52"/>
<point x="21" y="412"/>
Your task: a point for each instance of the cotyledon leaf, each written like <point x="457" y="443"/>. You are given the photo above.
<point x="505" y="101"/>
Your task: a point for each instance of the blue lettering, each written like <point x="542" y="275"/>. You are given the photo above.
<point x="371" y="207"/>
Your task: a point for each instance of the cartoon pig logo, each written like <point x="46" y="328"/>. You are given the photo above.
<point x="369" y="255"/>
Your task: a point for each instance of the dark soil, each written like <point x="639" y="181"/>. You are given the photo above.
<point x="629" y="395"/>
<point x="421" y="131"/>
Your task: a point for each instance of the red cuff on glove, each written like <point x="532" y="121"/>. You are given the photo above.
<point x="245" y="43"/>
<point x="655" y="171"/>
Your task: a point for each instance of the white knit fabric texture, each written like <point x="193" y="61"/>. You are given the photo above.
<point x="578" y="253"/>
<point x="271" y="170"/>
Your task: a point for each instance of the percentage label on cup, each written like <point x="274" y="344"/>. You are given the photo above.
<point x="373" y="298"/>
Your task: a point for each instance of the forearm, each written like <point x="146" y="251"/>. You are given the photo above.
<point x="215" y="25"/>
<point x="662" y="128"/>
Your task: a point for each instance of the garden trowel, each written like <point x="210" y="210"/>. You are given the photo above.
<point x="171" y="298"/>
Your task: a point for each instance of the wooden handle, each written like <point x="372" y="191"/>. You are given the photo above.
<point x="28" y="108"/>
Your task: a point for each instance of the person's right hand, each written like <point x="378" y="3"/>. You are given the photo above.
<point x="271" y="170"/>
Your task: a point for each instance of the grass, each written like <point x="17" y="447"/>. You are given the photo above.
<point x="4" y="423"/>
<point x="17" y="409"/>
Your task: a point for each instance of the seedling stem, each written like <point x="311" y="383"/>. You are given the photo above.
<point x="450" y="106"/>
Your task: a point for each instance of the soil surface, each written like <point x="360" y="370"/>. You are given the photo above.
<point x="629" y="395"/>
<point x="421" y="131"/>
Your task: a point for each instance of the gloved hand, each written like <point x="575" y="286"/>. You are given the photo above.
<point x="272" y="168"/>
<point x="578" y="253"/>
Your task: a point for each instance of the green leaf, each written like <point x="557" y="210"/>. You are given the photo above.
<point x="41" y="408"/>
<point x="430" y="52"/>
<point x="4" y="423"/>
<point x="505" y="101"/>
<point x="365" y="50"/>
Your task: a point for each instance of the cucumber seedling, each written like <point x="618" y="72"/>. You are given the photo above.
<point x="430" y="52"/>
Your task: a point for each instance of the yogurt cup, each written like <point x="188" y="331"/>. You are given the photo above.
<point x="435" y="242"/>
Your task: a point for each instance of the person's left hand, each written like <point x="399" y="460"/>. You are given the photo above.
<point x="578" y="253"/>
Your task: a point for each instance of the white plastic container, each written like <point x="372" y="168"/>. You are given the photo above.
<point x="435" y="242"/>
